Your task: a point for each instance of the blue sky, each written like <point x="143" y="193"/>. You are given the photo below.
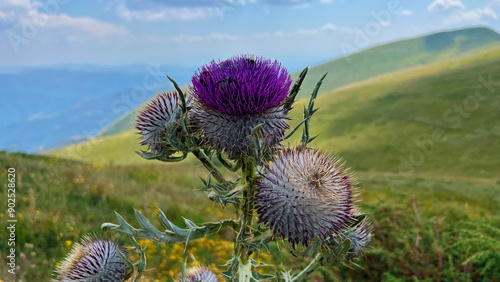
<point x="191" y="32"/>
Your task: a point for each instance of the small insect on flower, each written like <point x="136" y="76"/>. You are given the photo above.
<point x="159" y="119"/>
<point x="251" y="59"/>
<point x="224" y="83"/>
<point x="93" y="259"/>
<point x="199" y="274"/>
<point x="305" y="194"/>
<point x="234" y="96"/>
<point x="203" y="76"/>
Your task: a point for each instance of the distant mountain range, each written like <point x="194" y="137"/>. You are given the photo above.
<point x="47" y="107"/>
<point x="50" y="107"/>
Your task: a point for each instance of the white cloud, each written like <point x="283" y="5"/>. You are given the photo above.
<point x="167" y="13"/>
<point x="268" y="35"/>
<point x="33" y="14"/>
<point x="87" y="25"/>
<point x="296" y="3"/>
<point x="184" y="38"/>
<point x="327" y="28"/>
<point x="459" y="14"/>
<point x="7" y="16"/>
<point x="300" y="6"/>
<point x="406" y="13"/>
<point x="307" y="31"/>
<point x="443" y="5"/>
<point x="26" y="4"/>
<point x="221" y="36"/>
<point x="476" y="16"/>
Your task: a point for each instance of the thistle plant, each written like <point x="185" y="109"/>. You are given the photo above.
<point x="236" y="112"/>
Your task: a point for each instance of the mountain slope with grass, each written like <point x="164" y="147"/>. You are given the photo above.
<point x="436" y="119"/>
<point x="382" y="59"/>
<point x="402" y="54"/>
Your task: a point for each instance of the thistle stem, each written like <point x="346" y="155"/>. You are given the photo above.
<point x="309" y="269"/>
<point x="240" y="250"/>
<point x="205" y="160"/>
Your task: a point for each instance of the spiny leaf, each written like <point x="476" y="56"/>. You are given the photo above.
<point x="295" y="90"/>
<point x="181" y="94"/>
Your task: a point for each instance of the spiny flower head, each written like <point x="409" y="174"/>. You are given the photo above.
<point x="305" y="194"/>
<point x="94" y="259"/>
<point x="154" y="119"/>
<point x="234" y="96"/>
<point x="360" y="237"/>
<point x="241" y="85"/>
<point x="199" y="274"/>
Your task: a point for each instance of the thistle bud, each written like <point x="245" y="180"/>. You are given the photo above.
<point x="159" y="122"/>
<point x="360" y="237"/>
<point x="199" y="274"/>
<point x="94" y="259"/>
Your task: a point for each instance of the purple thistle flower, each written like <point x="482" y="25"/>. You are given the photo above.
<point x="199" y="274"/>
<point x="241" y="85"/>
<point x="153" y="119"/>
<point x="305" y="194"/>
<point x="360" y="237"/>
<point x="234" y="96"/>
<point x="94" y="259"/>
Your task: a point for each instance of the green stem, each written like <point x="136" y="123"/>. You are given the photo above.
<point x="205" y="160"/>
<point x="309" y="269"/>
<point x="294" y="130"/>
<point x="246" y="208"/>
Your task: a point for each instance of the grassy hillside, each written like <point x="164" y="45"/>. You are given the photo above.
<point x="114" y="149"/>
<point x="402" y="54"/>
<point x="377" y="124"/>
<point x="58" y="201"/>
<point x="379" y="60"/>
<point x="423" y="229"/>
<point x="124" y="122"/>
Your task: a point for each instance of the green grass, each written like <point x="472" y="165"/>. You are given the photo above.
<point x="58" y="201"/>
<point x="61" y="200"/>
<point x="114" y="149"/>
